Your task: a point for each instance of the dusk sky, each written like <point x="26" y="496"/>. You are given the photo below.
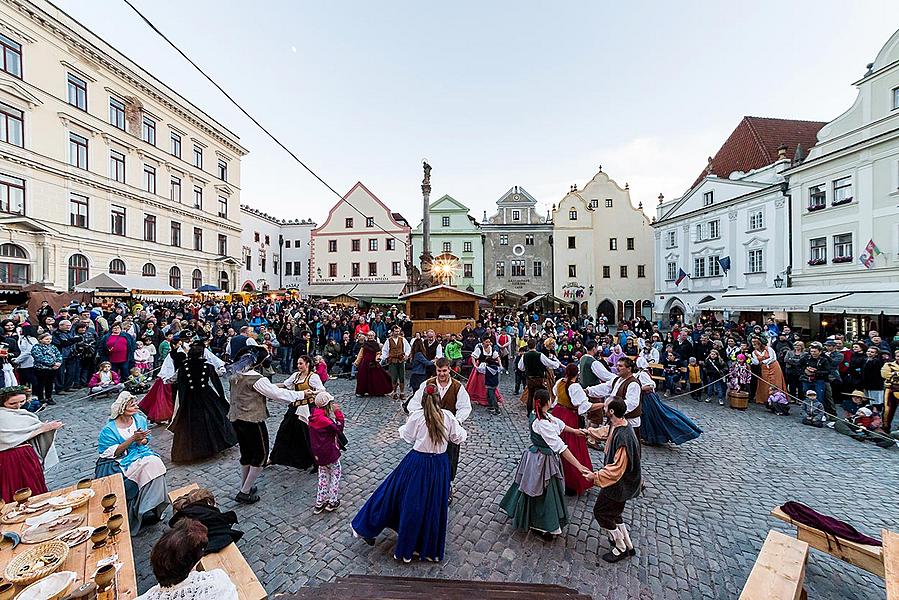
<point x="494" y="94"/>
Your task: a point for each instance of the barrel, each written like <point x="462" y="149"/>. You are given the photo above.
<point x="738" y="400"/>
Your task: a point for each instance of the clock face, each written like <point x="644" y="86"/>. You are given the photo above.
<point x="516" y="196"/>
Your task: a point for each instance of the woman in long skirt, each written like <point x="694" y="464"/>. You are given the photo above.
<point x="764" y="357"/>
<point x="660" y="423"/>
<point x="572" y="404"/>
<point x="371" y="378"/>
<point x="477" y="384"/>
<point x="413" y="499"/>
<point x="157" y="404"/>
<point x="291" y="447"/>
<point x="535" y="499"/>
<point x="26" y="445"/>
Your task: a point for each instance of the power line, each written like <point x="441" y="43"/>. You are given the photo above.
<point x="253" y="119"/>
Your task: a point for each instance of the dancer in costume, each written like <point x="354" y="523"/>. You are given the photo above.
<point x="626" y="386"/>
<point x="660" y="423"/>
<point x="433" y="350"/>
<point x="484" y="355"/>
<point x="394" y="354"/>
<point x="765" y="357"/>
<point x="26" y="444"/>
<point x="413" y="499"/>
<point x="538" y="368"/>
<point x="292" y="447"/>
<point x="571" y="406"/>
<point x="371" y="379"/>
<point x="535" y="499"/>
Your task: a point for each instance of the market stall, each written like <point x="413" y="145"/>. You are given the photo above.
<point x="442" y="308"/>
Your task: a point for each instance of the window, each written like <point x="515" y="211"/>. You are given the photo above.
<point x="12" y="56"/>
<point x="895" y="98"/>
<point x="630" y="243"/>
<point x="248" y="259"/>
<point x="714" y="229"/>
<point x="223" y="170"/>
<point x="79" y="269"/>
<point x="503" y="239"/>
<point x="708" y="198"/>
<point x="287" y="243"/>
<point x="256" y="236"/>
<point x="698" y="267"/>
<point x="516" y="215"/>
<point x="117" y="220"/>
<point x="176" y="234"/>
<point x="355" y="245"/>
<point x="714" y="268"/>
<point x="175" y="278"/>
<point x="756" y="261"/>
<point x="572" y="215"/>
<point x="117" y="113"/>
<point x="117" y="166"/>
<point x="223" y="280"/>
<point x="608" y="203"/>
<point x="117" y="266"/>
<point x="817" y="197"/>
<point x="445" y="222"/>
<point x="149" y="228"/>
<point x="671" y="239"/>
<point x="354" y="269"/>
<point x="12" y="195"/>
<point x="14" y="272"/>
<point x="296" y="243"/>
<point x="467" y="270"/>
<point x="77" y="151"/>
<point x="12" y="125"/>
<point x="348" y="222"/>
<point x="572" y="241"/>
<point x="518" y="269"/>
<point x="369" y="221"/>
<point x="150" y="179"/>
<point x="77" y="92"/>
<point x="594" y="203"/>
<point x="148" y="131"/>
<point x="500" y="268"/>
<point x="700" y="232"/>
<point x="372" y="269"/>
<point x="332" y="245"/>
<point x="572" y="270"/>
<point x="447" y="246"/>
<point x="538" y="268"/>
<point x="223" y="245"/>
<point x="373" y="244"/>
<point x="198" y="157"/>
<point x="672" y="271"/>
<point x="842" y="247"/>
<point x="390" y="244"/>
<point x="223" y="207"/>
<point x="756" y="220"/>
<point x="148" y="270"/>
<point x="395" y="268"/>
<point x="817" y="251"/>
<point x="613" y="243"/>
<point x="198" y="239"/>
<point x="606" y="272"/>
<point x="176" y="190"/>
<point x="78" y="211"/>
<point x="466" y="246"/>
<point x="296" y="268"/>
<point x="176" y="145"/>
<point x="196" y="279"/>
<point x="842" y="191"/>
<point x="641" y="271"/>
<point x="622" y="271"/>
<point x="288" y="268"/>
<point x="529" y="240"/>
<point x="267" y="241"/>
<point x="198" y="197"/>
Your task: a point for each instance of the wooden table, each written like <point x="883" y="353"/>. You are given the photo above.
<point x="891" y="563"/>
<point x="82" y="559"/>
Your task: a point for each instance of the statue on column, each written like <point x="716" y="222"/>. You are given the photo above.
<point x="426" y="279"/>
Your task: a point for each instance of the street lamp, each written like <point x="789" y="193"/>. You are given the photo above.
<point x="591" y="289"/>
<point x="778" y="282"/>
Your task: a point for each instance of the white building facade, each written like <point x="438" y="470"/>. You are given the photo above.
<point x="455" y="238"/>
<point x="274" y="252"/>
<point x="297" y="236"/>
<point x="104" y="169"/>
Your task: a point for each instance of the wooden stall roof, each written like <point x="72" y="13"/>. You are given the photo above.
<point x="442" y="293"/>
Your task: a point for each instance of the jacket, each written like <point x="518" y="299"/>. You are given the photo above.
<point x="45" y="355"/>
<point x="323" y="432"/>
<point x="65" y="341"/>
<point x="95" y="379"/>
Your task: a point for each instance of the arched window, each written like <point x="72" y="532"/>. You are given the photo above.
<point x="14" y="271"/>
<point x="149" y="270"/>
<point x="79" y="268"/>
<point x="646" y="309"/>
<point x="196" y="279"/>
<point x="628" y="310"/>
<point x="117" y="267"/>
<point x="223" y="281"/>
<point x="175" y="278"/>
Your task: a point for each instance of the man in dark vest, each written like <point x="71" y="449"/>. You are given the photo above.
<point x="625" y="386"/>
<point x="534" y="364"/>
<point x="395" y="353"/>
<point x="433" y="350"/>
<point x="591" y="371"/>
<point x="619" y="480"/>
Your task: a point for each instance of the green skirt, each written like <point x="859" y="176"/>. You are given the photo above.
<point x="545" y="513"/>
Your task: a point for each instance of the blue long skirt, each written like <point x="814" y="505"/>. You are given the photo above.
<point x="412" y="501"/>
<point x="660" y="423"/>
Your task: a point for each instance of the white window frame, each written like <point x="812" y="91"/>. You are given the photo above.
<point x="713" y="268"/>
<point x="817" y="249"/>
<point x="751" y="267"/>
<point x="671" y="239"/>
<point x="708" y="198"/>
<point x="672" y="271"/>
<point x="714" y="229"/>
<point x="842" y="243"/>
<point x="756" y="220"/>
<point x="698" y="267"/>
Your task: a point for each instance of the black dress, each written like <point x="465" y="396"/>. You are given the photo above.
<point x="200" y="426"/>
<point x="292" y="447"/>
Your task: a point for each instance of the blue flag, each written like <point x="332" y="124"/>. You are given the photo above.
<point x="725" y="263"/>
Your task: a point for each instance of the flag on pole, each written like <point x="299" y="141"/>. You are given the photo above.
<point x="681" y="275"/>
<point x="867" y="257"/>
<point x="725" y="263"/>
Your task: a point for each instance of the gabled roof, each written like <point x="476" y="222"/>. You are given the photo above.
<point x="439" y="287"/>
<point x="447" y="203"/>
<point x="517" y="195"/>
<point x="754" y="144"/>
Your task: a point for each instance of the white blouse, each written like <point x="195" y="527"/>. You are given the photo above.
<point x="199" y="585"/>
<point x="315" y="382"/>
<point x="549" y="429"/>
<point x="415" y="431"/>
<point x="577" y="395"/>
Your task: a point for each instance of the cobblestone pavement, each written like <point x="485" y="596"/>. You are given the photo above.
<point x="697" y="530"/>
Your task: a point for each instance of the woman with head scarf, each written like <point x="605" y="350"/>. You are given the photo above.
<point x="26" y="444"/>
<point x="126" y="439"/>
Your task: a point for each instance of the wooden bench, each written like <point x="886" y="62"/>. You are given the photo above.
<point x="891" y="563"/>
<point x="229" y="560"/>
<point x="779" y="571"/>
<point x="869" y="558"/>
<point x="656" y="371"/>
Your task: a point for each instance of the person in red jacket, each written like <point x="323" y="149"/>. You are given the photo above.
<point x="325" y="425"/>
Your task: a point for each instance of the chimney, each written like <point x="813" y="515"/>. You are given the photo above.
<point x="782" y="152"/>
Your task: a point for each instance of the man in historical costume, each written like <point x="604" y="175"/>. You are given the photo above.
<point x="249" y="391"/>
<point x="433" y="349"/>
<point x="394" y="354"/>
<point x="591" y="370"/>
<point x="619" y="480"/>
<point x="453" y="397"/>
<point x="626" y="386"/>
<point x="537" y="369"/>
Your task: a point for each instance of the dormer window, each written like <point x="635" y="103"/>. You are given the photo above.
<point x="708" y="198"/>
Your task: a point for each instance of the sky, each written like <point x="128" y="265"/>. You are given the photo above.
<point x="494" y="94"/>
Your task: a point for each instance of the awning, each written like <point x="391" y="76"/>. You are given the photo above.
<point x="161" y="297"/>
<point x="548" y="297"/>
<point x="770" y="302"/>
<point x="862" y="303"/>
<point x="329" y="290"/>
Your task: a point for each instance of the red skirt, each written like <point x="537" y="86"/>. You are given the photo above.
<point x="577" y="445"/>
<point x="20" y="467"/>
<point x="157" y="404"/>
<point x="477" y="388"/>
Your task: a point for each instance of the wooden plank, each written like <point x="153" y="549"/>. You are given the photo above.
<point x="891" y="563"/>
<point x="863" y="556"/>
<point x="175" y="494"/>
<point x="779" y="571"/>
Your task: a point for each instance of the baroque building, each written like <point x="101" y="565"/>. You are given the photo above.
<point x="455" y="239"/>
<point x="274" y="252"/>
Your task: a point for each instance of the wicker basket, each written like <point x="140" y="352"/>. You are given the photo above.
<point x="21" y="571"/>
<point x="738" y="400"/>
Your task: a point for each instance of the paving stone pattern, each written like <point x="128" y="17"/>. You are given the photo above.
<point x="697" y="530"/>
